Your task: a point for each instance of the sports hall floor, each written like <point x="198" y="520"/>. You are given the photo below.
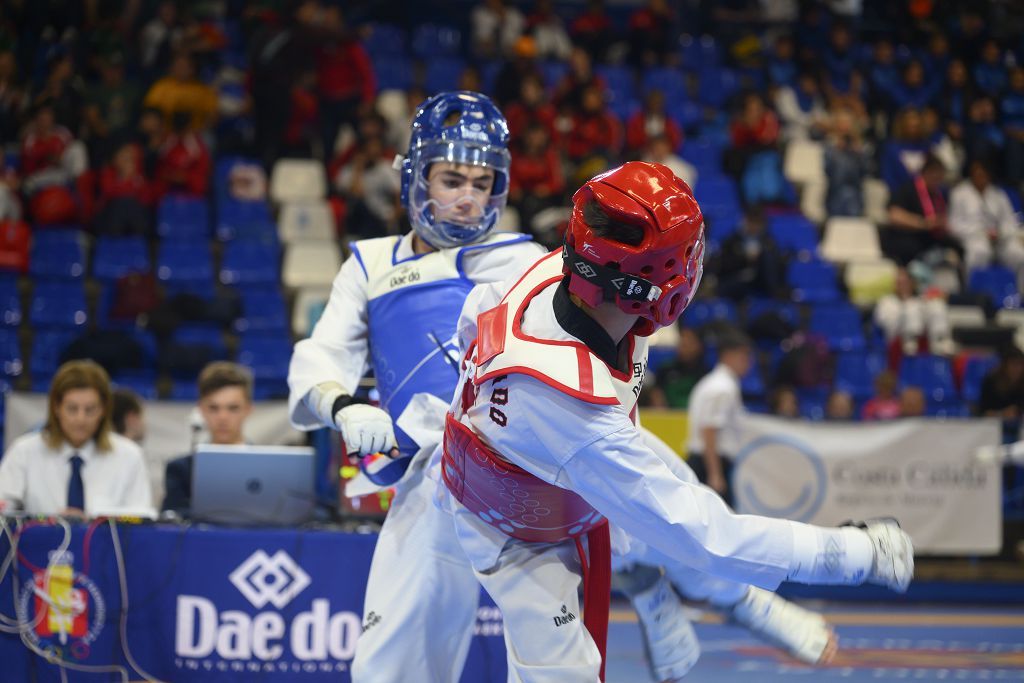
<point x="877" y="643"/>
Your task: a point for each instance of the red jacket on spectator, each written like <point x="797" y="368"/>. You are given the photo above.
<point x="39" y="152"/>
<point x="537" y="174"/>
<point x="519" y="117"/>
<point x="344" y="71"/>
<point x="637" y="134"/>
<point x="118" y="183"/>
<point x="305" y="111"/>
<point x="592" y="133"/>
<point x="184" y="166"/>
<point x="764" y="132"/>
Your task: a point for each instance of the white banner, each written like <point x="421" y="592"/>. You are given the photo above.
<point x="168" y="430"/>
<point x="922" y="472"/>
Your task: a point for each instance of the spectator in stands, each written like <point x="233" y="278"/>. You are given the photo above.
<point x="160" y="38"/>
<point x="912" y="323"/>
<point x="151" y="134"/>
<point x="674" y="381"/>
<point x="955" y="99"/>
<point x="839" y="58"/>
<point x="372" y="187"/>
<point x="883" y="75"/>
<point x="522" y="66"/>
<point x="1012" y="106"/>
<point x="127" y="416"/>
<point x="801" y="108"/>
<point x="496" y="26"/>
<point x="990" y="71"/>
<point x="568" y="97"/>
<point x="1002" y="393"/>
<point x="652" y="121"/>
<point x="596" y="136"/>
<point x="846" y="166"/>
<point x="63" y="90"/>
<point x="884" y="405"/>
<point x="918" y="216"/>
<point x="536" y="178"/>
<point x="76" y="465"/>
<point x="346" y="82"/>
<point x="716" y="413"/>
<point x="783" y="402"/>
<point x="983" y="220"/>
<point x="111" y="108"/>
<point x="303" y="132"/>
<point x="751" y="263"/>
<point x="653" y="35"/>
<point x="180" y="92"/>
<point x="184" y="164"/>
<point x="13" y="98"/>
<point x="903" y="156"/>
<point x="225" y="402"/>
<point x="937" y="57"/>
<point x="125" y="195"/>
<point x="753" y="130"/>
<point x="659" y="151"/>
<point x="915" y="90"/>
<point x="50" y="156"/>
<point x="984" y="137"/>
<point x="548" y="30"/>
<point x="592" y="30"/>
<point x="839" y="406"/>
<point x="782" y="67"/>
<point x="531" y="107"/>
<point x="912" y="402"/>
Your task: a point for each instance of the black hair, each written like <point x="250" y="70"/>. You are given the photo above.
<point x="603" y="225"/>
<point x="125" y="402"/>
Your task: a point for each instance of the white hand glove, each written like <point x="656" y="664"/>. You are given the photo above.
<point x="365" y="429"/>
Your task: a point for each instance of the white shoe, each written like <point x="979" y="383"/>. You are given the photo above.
<point x="669" y="639"/>
<point x="800" y="632"/>
<point x="894" y="554"/>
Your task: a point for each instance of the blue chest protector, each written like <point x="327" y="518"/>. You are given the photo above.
<point x="413" y="309"/>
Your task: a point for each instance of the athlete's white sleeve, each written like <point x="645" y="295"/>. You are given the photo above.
<point x="597" y="452"/>
<point x="338" y="349"/>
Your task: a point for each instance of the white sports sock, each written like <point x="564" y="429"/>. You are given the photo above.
<point x="823" y="555"/>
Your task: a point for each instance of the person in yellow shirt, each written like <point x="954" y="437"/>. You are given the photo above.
<point x="180" y="91"/>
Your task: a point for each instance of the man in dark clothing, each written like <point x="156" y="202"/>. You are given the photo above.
<point x="751" y="263"/>
<point x="225" y="401"/>
<point x="674" y="381"/>
<point x="917" y="216"/>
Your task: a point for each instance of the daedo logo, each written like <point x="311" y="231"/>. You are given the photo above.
<point x="314" y="641"/>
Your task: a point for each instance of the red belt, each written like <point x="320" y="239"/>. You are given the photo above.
<point x="522" y="506"/>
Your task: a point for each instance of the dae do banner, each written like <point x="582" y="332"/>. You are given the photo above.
<point x="922" y="472"/>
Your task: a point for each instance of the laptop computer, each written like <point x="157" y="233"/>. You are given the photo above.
<point x="253" y="484"/>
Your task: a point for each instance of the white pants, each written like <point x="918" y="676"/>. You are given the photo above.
<point x="979" y="252"/>
<point x="421" y="597"/>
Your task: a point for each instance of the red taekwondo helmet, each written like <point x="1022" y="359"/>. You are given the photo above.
<point x="654" y="276"/>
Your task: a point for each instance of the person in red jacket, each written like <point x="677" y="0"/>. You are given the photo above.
<point x="44" y="144"/>
<point x="536" y="181"/>
<point x="650" y="122"/>
<point x="345" y="79"/>
<point x="184" y="163"/>
<point x="532" y="107"/>
<point x="125" y="194"/>
<point x="596" y="131"/>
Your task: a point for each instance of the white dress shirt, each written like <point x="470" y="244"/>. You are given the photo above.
<point x="34" y="477"/>
<point x="716" y="402"/>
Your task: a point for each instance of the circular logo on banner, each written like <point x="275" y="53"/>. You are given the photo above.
<point x="779" y="476"/>
<point x="66" y="610"/>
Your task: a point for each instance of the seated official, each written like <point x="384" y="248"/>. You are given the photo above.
<point x="225" y="401"/>
<point x="76" y="465"/>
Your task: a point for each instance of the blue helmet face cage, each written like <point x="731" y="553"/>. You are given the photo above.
<point x="461" y="128"/>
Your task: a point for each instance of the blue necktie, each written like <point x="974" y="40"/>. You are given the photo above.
<point x="76" y="490"/>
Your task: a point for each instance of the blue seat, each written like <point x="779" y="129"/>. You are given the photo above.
<point x="619" y="81"/>
<point x="443" y="74"/>
<point x="704" y="311"/>
<point x="116" y="257"/>
<point x="191" y="347"/>
<point x="47" y="348"/>
<point x="57" y="254"/>
<point x="143" y="384"/>
<point x="999" y="283"/>
<point x="717" y="85"/>
<point x="752" y="384"/>
<point x="11" y="302"/>
<point x="184" y="390"/>
<point x="430" y="41"/>
<point x="183" y="219"/>
<point x="552" y="72"/>
<point x="248" y="263"/>
<point x="689" y="116"/>
<point x="716" y="189"/>
<point x="393" y="73"/>
<point x="975" y="370"/>
<point x="201" y="335"/>
<point x="856" y="372"/>
<point x="793" y="233"/>
<point x="267" y="355"/>
<point x="181" y="265"/>
<point x="384" y="40"/>
<point x="813" y="407"/>
<point x="270" y="389"/>
<point x="840" y="324"/>
<point x="58" y="305"/>
<point x="698" y="51"/>
<point x="263" y="310"/>
<point x="786" y="310"/>
<point x="933" y="374"/>
<point x="222" y="173"/>
<point x="247" y="221"/>
<point x="951" y="408"/>
<point x="658" y="356"/>
<point x="670" y="81"/>
<point x="813" y="281"/>
<point x="10" y="353"/>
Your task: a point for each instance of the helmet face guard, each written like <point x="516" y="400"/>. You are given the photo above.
<point x="655" y="279"/>
<point x="464" y="129"/>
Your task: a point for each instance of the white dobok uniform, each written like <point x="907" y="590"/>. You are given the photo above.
<point x="392" y="309"/>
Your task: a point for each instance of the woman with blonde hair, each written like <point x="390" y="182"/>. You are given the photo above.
<point x="76" y="465"/>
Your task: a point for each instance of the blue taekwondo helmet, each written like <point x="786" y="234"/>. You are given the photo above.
<point x="461" y="127"/>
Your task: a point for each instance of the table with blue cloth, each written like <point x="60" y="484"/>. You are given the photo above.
<point x="203" y="604"/>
